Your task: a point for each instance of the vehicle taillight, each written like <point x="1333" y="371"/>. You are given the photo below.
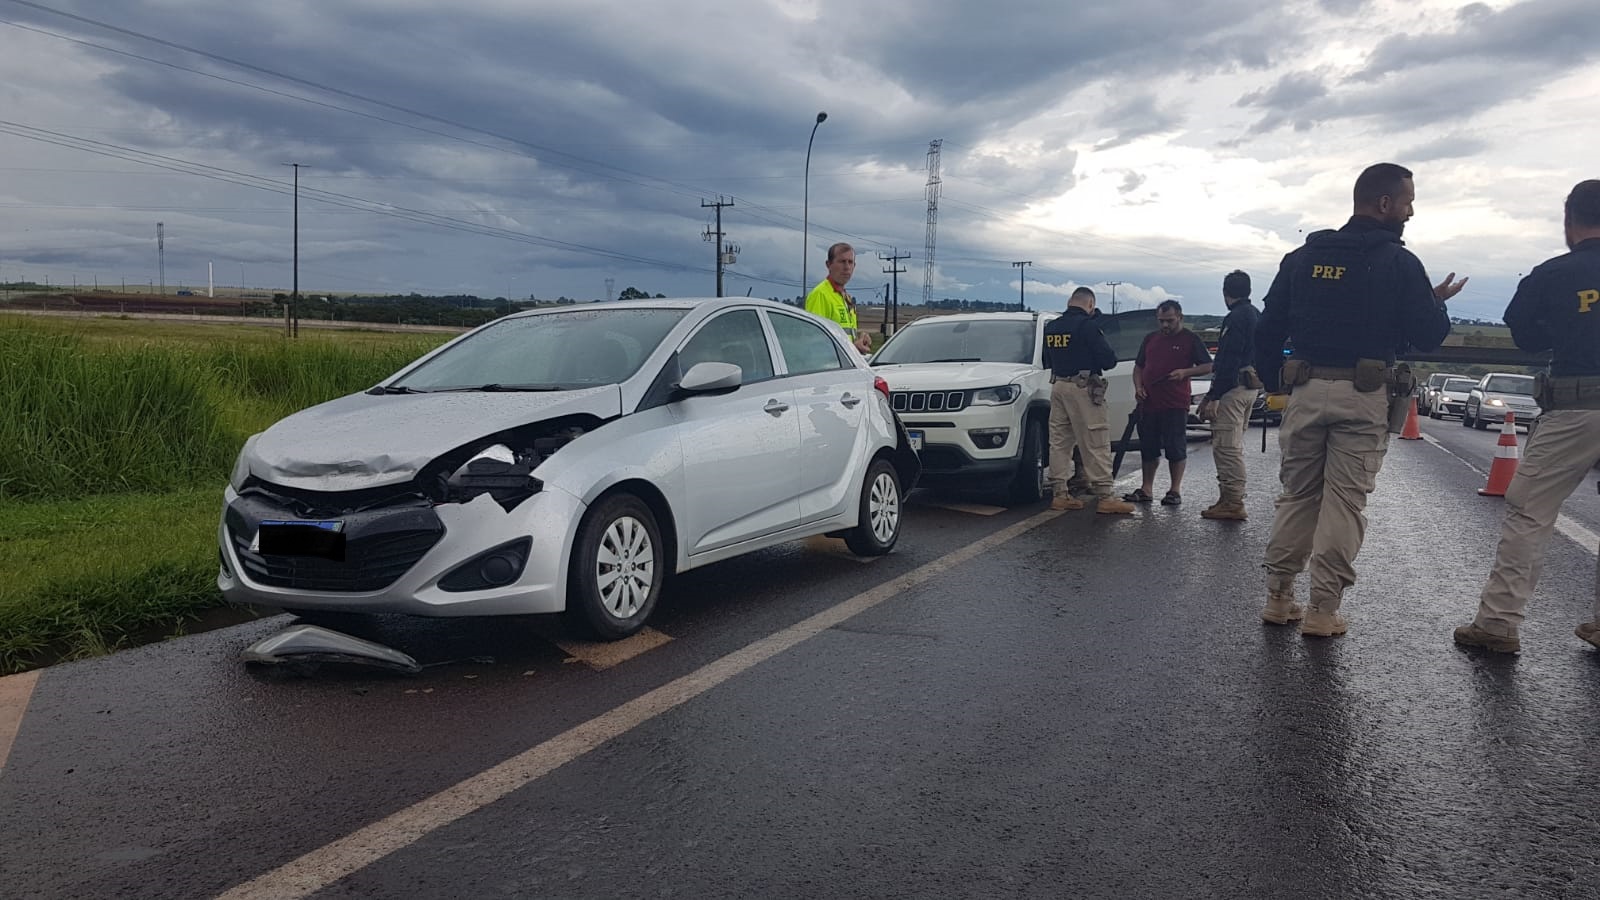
<point x="881" y="386"/>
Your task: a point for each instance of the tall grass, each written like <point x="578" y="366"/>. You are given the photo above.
<point x="77" y="420"/>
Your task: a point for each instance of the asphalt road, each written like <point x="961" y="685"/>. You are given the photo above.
<point x="1014" y="703"/>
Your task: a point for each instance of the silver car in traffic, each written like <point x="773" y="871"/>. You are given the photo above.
<point x="569" y="460"/>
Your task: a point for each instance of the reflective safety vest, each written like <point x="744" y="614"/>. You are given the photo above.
<point x="828" y="303"/>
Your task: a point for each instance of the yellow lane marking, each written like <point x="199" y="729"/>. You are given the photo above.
<point x="605" y="654"/>
<point x="326" y="865"/>
<point x="15" y="691"/>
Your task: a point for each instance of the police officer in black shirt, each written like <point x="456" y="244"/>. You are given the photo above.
<point x="1556" y="308"/>
<point x="1348" y="300"/>
<point x="1077" y="354"/>
<point x="1233" y="392"/>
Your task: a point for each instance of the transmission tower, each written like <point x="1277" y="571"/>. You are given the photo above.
<point x="933" y="220"/>
<point x="161" y="254"/>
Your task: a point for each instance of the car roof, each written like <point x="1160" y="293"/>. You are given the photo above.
<point x="981" y="317"/>
<point x="709" y="303"/>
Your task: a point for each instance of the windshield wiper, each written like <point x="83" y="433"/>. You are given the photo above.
<point x="394" y="389"/>
<point x="497" y="387"/>
<point x="957" y="359"/>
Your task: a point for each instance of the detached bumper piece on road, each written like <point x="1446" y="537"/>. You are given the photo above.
<point x="301" y="649"/>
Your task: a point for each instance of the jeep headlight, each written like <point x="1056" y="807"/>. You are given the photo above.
<point x="241" y="465"/>
<point x="996" y="396"/>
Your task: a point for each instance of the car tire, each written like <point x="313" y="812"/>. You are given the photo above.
<point x="878" y="525"/>
<point x="618" y="568"/>
<point x="1028" y="483"/>
<point x="1479" y="422"/>
<point x="1466" y="417"/>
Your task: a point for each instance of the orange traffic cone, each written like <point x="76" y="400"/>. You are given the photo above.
<point x="1411" y="432"/>
<point x="1506" y="455"/>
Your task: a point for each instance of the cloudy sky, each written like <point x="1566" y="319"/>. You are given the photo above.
<point x="544" y="147"/>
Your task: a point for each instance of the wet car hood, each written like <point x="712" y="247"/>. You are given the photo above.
<point x="364" y="441"/>
<point x="951" y="376"/>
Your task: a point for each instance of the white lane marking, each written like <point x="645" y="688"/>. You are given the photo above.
<point x="605" y="654"/>
<point x="1569" y="527"/>
<point x="15" y="691"/>
<point x="326" y="865"/>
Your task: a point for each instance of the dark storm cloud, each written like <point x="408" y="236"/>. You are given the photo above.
<point x="1135" y="118"/>
<point x="1557" y="33"/>
<point x="1453" y="146"/>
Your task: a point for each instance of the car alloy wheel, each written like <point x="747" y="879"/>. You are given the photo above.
<point x="617" y="568"/>
<point x="878" y="526"/>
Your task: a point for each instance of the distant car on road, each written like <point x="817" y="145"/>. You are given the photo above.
<point x="1496" y="394"/>
<point x="1449" y="398"/>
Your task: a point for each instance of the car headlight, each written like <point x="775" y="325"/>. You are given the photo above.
<point x="241" y="465"/>
<point x="996" y="396"/>
<point x="1496" y="401"/>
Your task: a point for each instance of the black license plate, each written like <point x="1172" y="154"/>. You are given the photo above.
<point x="302" y="538"/>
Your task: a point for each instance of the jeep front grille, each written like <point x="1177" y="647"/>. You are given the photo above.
<point x="927" y="401"/>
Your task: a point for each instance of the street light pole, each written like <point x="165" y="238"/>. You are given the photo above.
<point x="1113" y="296"/>
<point x="805" y="213"/>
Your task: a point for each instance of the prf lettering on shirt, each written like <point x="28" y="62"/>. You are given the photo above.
<point x="1057" y="341"/>
<point x="1333" y="273"/>
<point x="1587" y="299"/>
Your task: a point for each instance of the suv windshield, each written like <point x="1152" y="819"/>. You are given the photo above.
<point x="930" y="340"/>
<point x="1510" y="384"/>
<point x="554" y="351"/>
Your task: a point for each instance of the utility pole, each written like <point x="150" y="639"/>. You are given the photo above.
<point x="893" y="259"/>
<point x="723" y="253"/>
<point x="292" y="315"/>
<point x="1022" y="283"/>
<point x="1113" y="296"/>
<point x="161" y="254"/>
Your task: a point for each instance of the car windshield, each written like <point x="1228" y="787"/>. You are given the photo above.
<point x="554" y="351"/>
<point x="960" y="341"/>
<point x="1510" y="384"/>
<point x="1459" y="384"/>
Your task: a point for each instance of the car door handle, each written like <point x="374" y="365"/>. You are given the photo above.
<point x="849" y="401"/>
<point x="776" y="407"/>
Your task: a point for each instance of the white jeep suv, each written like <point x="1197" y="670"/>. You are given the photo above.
<point x="974" y="396"/>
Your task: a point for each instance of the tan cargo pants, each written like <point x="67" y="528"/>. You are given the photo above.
<point x="1333" y="440"/>
<point x="1227" y="441"/>
<point x="1560" y="453"/>
<point x="1076" y="421"/>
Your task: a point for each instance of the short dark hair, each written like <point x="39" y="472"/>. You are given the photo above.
<point x="1236" y="285"/>
<point x="839" y="248"/>
<point x="1379" y="181"/>
<point x="1173" y="305"/>
<point x="1583" y="204"/>
<point x="1081" y="292"/>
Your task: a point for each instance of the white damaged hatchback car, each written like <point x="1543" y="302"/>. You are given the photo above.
<point x="568" y="460"/>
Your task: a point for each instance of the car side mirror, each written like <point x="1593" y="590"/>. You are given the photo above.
<point x="711" y="378"/>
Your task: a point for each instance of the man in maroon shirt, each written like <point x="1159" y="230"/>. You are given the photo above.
<point x="1168" y="358"/>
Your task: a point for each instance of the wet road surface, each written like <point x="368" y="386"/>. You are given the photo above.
<point x="1085" y="707"/>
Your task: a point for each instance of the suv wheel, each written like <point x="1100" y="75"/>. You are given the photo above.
<point x="1029" y="482"/>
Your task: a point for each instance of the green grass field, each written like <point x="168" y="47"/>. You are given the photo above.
<point x="116" y="437"/>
